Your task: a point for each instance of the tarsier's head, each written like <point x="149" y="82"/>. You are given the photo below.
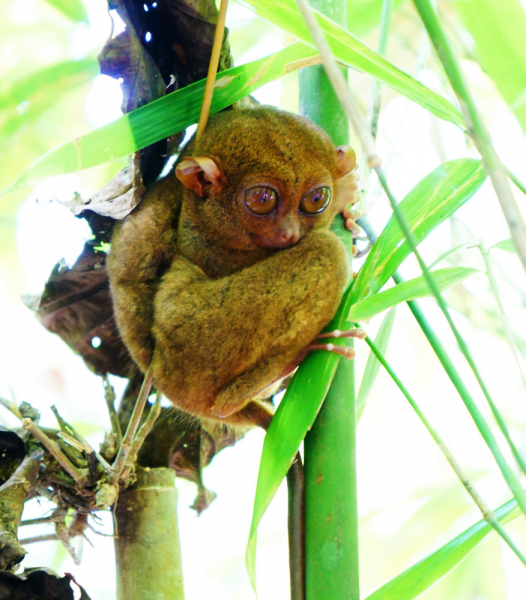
<point x="263" y="178"/>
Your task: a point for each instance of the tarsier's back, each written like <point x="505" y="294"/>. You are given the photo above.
<point x="226" y="305"/>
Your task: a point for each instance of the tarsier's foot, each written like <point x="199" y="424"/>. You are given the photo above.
<point x="347" y="352"/>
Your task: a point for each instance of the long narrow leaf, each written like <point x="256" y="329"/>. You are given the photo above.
<point x="418" y="578"/>
<point x="499" y="32"/>
<point x="161" y="118"/>
<point x="351" y="52"/>
<point x="28" y="98"/>
<point x="428" y="204"/>
<point x="409" y="290"/>
<point x="294" y="417"/>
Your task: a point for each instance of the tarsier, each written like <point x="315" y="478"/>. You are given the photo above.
<point x="223" y="278"/>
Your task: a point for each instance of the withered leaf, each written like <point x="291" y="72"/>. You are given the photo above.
<point x="76" y="305"/>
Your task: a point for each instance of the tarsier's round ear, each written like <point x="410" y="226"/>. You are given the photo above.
<point x="345" y="160"/>
<point x="199" y="173"/>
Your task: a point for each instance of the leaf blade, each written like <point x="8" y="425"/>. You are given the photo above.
<point x="436" y="197"/>
<point x="422" y="575"/>
<point x="161" y="118"/>
<point x="408" y="290"/>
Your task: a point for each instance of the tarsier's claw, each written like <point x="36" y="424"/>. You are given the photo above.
<point x="347" y="352"/>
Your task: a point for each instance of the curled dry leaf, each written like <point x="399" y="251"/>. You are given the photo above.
<point x="116" y="199"/>
<point x="76" y="305"/>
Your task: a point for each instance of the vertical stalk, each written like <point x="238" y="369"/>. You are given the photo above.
<point x="331" y="516"/>
<point x="147" y="546"/>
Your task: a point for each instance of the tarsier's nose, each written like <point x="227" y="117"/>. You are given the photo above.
<point x="289" y="234"/>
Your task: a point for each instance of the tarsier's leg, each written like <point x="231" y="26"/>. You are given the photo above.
<point x="219" y="343"/>
<point x="142" y="246"/>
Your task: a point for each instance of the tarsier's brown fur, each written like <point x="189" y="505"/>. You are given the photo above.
<point x="221" y="301"/>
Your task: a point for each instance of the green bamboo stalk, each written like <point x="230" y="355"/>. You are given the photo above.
<point x="331" y="519"/>
<point x="476" y="127"/>
<point x="147" y="539"/>
<point x="487" y="514"/>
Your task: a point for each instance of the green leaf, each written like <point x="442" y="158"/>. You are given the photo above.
<point x="428" y="204"/>
<point x="498" y="30"/>
<point x="373" y="364"/>
<point x="418" y="578"/>
<point x="409" y="290"/>
<point x="28" y="98"/>
<point x="351" y="52"/>
<point x="161" y="118"/>
<point x="449" y="252"/>
<point x="72" y="9"/>
<point x="507" y="245"/>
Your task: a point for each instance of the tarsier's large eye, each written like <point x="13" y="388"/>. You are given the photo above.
<point x="261" y="200"/>
<point x="316" y="200"/>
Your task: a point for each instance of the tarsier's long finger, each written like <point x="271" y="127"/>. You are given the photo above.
<point x="351" y="333"/>
<point x="347" y="352"/>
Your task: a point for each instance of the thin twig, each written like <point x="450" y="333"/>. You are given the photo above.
<point x="39" y="538"/>
<point x="339" y="84"/>
<point x="212" y="70"/>
<point x="155" y="411"/>
<point x="133" y="425"/>
<point x="72" y="437"/>
<point x="109" y="396"/>
<point x="11" y="406"/>
<point x="79" y="475"/>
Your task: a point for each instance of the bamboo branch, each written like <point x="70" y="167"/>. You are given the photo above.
<point x="376" y="96"/>
<point x="487" y="513"/>
<point x="133" y="425"/>
<point x="212" y="70"/>
<point x="109" y="396"/>
<point x="155" y="411"/>
<point x="11" y="406"/>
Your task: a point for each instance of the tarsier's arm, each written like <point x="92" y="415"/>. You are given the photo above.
<point x="218" y="343"/>
<point x="142" y="248"/>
